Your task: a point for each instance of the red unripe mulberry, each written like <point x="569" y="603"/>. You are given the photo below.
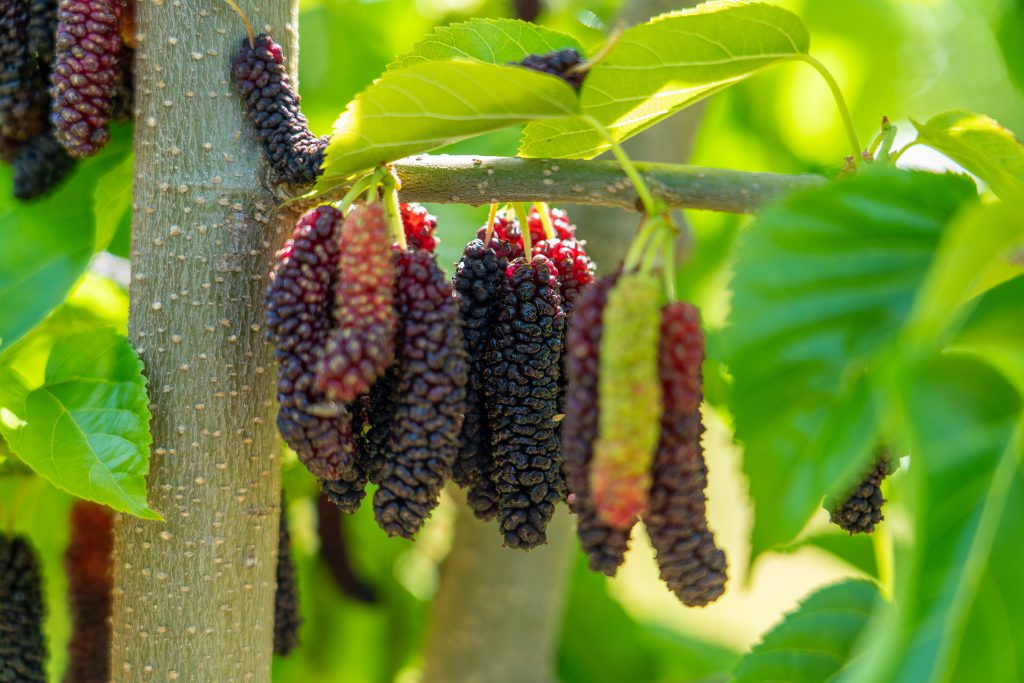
<point x="419" y="226"/>
<point x="362" y="345"/>
<point x="86" y="73"/>
<point x="88" y="562"/>
<point x="690" y="562"/>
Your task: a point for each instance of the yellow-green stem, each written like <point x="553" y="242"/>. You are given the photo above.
<point x="489" y="230"/>
<point x="882" y="541"/>
<point x="837" y="95"/>
<point x="545" y="219"/>
<point x="394" y="213"/>
<point x="523" y="214"/>
<point x="651" y="208"/>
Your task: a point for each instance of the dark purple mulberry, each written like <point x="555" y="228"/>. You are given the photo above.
<point x="478" y="278"/>
<point x="604" y="545"/>
<point x="362" y="345"/>
<point x="336" y="552"/>
<point x="272" y="106"/>
<point x="21" y="103"/>
<point x="124" y="97"/>
<point x="521" y="376"/>
<point x="862" y="509"/>
<point x="300" y="302"/>
<point x="22" y="643"/>
<point x="287" y="618"/>
<point x="557" y="63"/>
<point x="86" y="73"/>
<point x="690" y="562"/>
<point x="430" y="396"/>
<point x="39" y="165"/>
<point x="88" y="562"/>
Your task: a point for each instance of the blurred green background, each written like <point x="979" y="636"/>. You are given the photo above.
<point x="900" y="58"/>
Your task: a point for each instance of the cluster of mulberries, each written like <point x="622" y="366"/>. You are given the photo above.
<point x="287" y="618"/>
<point x="604" y="544"/>
<point x="87" y="70"/>
<point x="558" y="63"/>
<point x="371" y="360"/>
<point x="862" y="509"/>
<point x="521" y="386"/>
<point x="361" y="345"/>
<point x="690" y="562"/>
<point x="272" y="106"/>
<point x="88" y="562"/>
<point x="22" y="643"/>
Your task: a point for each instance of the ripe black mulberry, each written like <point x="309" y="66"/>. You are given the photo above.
<point x="86" y="73"/>
<point x="690" y="562"/>
<point x="300" y="303"/>
<point x="20" y="99"/>
<point x="478" y="278"/>
<point x="521" y="378"/>
<point x="604" y="545"/>
<point x="558" y="63"/>
<point x="23" y="651"/>
<point x="362" y="345"/>
<point x="287" y="618"/>
<point x="862" y="509"/>
<point x="429" y="399"/>
<point x="272" y="106"/>
<point x="39" y="165"/>
<point x="88" y="562"/>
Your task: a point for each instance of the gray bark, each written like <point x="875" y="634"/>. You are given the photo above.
<point x="194" y="594"/>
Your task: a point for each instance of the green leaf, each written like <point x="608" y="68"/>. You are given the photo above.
<point x="976" y="253"/>
<point x="495" y="41"/>
<point x="961" y="421"/>
<point x="112" y="201"/>
<point x="815" y="641"/>
<point x="429" y="105"/>
<point x="979" y="144"/>
<point x="857" y="550"/>
<point x="47" y="245"/>
<point x="823" y="286"/>
<point x="671" y="62"/>
<point x="86" y="429"/>
<point x="994" y="331"/>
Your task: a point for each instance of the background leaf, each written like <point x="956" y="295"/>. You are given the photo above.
<point x="959" y="417"/>
<point x="86" y="429"/>
<point x="430" y="105"/>
<point x="824" y="283"/>
<point x="660" y="67"/>
<point x="979" y="144"/>
<point x="495" y="41"/>
<point x="813" y="642"/>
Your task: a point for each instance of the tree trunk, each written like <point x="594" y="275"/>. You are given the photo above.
<point x="498" y="612"/>
<point x="194" y="594"/>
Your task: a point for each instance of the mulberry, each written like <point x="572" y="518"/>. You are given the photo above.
<point x="521" y="375"/>
<point x="478" y="278"/>
<point x="349" y="489"/>
<point x="362" y="346"/>
<point x="20" y="103"/>
<point x="691" y="564"/>
<point x="557" y="63"/>
<point x="862" y="509"/>
<point x="604" y="545"/>
<point x="287" y="619"/>
<point x="22" y="643"/>
<point x="124" y="97"/>
<point x="300" y="306"/>
<point x="630" y="399"/>
<point x="430" y="397"/>
<point x="86" y="73"/>
<point x="419" y="226"/>
<point x="272" y="106"/>
<point x="39" y="165"/>
<point x="88" y="563"/>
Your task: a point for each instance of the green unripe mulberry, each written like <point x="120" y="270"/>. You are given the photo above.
<point x="629" y="394"/>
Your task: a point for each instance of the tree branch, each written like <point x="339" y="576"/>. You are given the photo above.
<point x="476" y="180"/>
